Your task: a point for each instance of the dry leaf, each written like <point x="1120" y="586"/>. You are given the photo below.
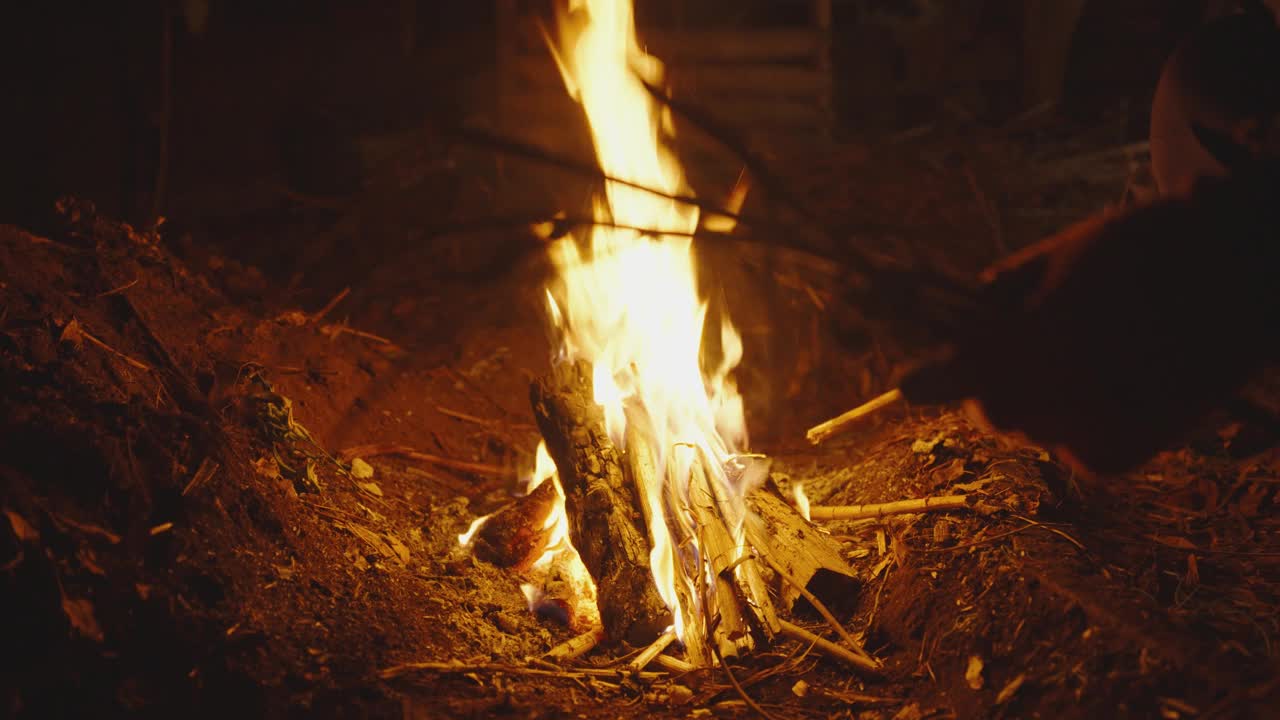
<point x="22" y="528"/>
<point x="80" y="613"/>
<point x="371" y="488"/>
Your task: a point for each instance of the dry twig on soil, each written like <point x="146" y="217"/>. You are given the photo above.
<point x="820" y="432"/>
<point x="899" y="507"/>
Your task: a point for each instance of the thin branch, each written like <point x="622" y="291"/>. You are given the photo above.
<point x="900" y="507"/>
<point x="730" y="140"/>
<point x="517" y="148"/>
<point x="829" y="648"/>
<point x="329" y="306"/>
<point x="715" y="647"/>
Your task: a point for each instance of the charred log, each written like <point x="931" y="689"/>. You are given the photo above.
<point x="605" y="516"/>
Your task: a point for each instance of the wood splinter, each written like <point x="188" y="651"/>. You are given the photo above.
<point x="900" y="507"/>
<point x="840" y="423"/>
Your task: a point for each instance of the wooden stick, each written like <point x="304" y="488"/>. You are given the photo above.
<point x="879" y="510"/>
<point x="575" y="647"/>
<point x="822" y="431"/>
<point x="655" y="649"/>
<point x="795" y="632"/>
<point x="605" y="512"/>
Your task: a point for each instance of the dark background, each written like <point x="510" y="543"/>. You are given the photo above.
<point x="264" y="95"/>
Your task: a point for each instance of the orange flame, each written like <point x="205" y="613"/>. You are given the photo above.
<point x="628" y="303"/>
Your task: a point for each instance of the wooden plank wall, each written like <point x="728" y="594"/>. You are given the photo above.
<point x="771" y="85"/>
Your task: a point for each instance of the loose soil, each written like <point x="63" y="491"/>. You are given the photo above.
<point x="183" y="532"/>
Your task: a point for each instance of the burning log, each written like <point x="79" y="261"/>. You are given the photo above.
<point x="604" y="511"/>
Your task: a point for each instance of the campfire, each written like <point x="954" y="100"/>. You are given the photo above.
<point x="645" y="495"/>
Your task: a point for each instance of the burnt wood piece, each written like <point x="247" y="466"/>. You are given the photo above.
<point x="605" y="519"/>
<point x="805" y="552"/>
<point x="517" y="535"/>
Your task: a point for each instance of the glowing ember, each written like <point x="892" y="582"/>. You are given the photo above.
<point x="628" y="304"/>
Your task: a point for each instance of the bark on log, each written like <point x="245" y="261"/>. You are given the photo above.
<point x="605" y="518"/>
<point x="800" y="548"/>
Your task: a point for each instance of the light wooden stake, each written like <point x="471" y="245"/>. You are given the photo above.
<point x="822" y="431"/>
<point x="879" y="510"/>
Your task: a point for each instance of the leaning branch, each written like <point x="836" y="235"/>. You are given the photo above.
<point x="822" y="431"/>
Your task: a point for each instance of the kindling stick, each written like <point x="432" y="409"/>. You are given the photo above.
<point x="879" y="510"/>
<point x="822" y="431"/>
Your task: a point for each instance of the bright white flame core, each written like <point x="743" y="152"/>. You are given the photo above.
<point x="629" y="305"/>
<point x="802" y="500"/>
